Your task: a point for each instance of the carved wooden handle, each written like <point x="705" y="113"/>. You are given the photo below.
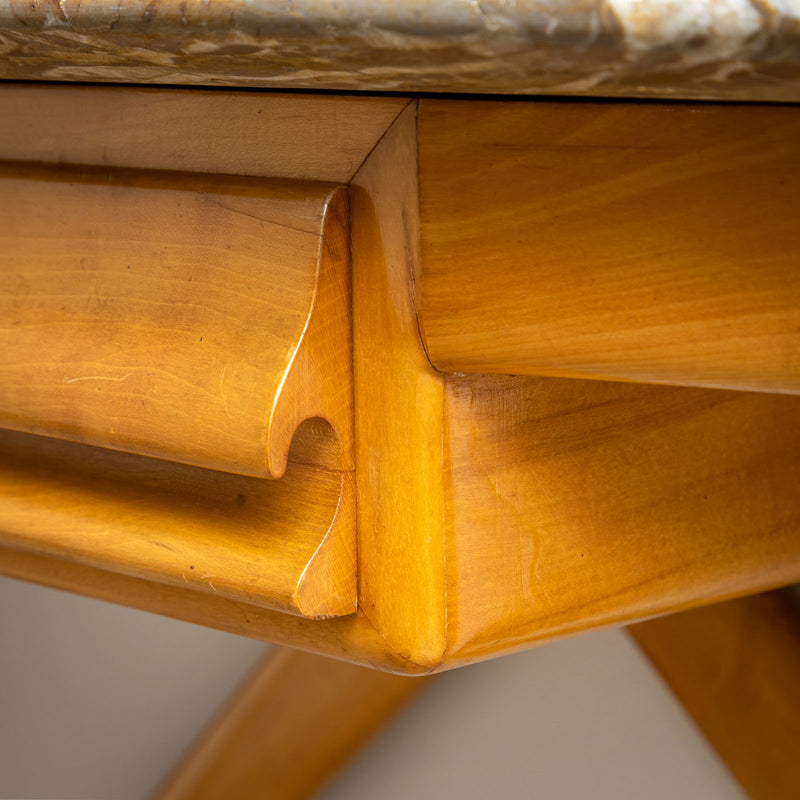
<point x="173" y="316"/>
<point x="200" y="320"/>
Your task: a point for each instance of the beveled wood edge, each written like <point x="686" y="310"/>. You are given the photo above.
<point x="328" y="584"/>
<point x="229" y="131"/>
<point x="399" y="409"/>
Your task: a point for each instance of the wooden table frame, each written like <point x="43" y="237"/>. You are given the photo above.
<point x="546" y="422"/>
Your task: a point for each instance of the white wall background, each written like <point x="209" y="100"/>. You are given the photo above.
<point x="583" y="718"/>
<point x="98" y="701"/>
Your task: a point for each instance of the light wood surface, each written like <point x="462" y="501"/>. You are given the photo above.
<point x="654" y="243"/>
<point x="400" y="624"/>
<point x="288" y="545"/>
<point x="491" y="512"/>
<point x="574" y="505"/>
<point x="290" y="727"/>
<point x="203" y="320"/>
<point x="398" y="410"/>
<point x="735" y="668"/>
<point x="165" y="315"/>
<point x="193" y="130"/>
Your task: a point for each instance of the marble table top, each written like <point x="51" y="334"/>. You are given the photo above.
<point x="709" y="49"/>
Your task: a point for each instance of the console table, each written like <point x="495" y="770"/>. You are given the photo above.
<point x="407" y="379"/>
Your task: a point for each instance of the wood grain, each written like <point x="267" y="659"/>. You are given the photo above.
<point x="398" y="410"/>
<point x="290" y="727"/>
<point x="570" y="505"/>
<point x="400" y="623"/>
<point x="492" y="512"/>
<point x="237" y="133"/>
<point x="203" y="320"/>
<point x="574" y="505"/>
<point x="734" y="666"/>
<point x="652" y="243"/>
<point x="174" y="316"/>
<point x="288" y="545"/>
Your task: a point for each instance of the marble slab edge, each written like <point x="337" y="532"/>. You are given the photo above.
<point x="704" y="49"/>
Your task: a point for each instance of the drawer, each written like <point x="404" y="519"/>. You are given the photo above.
<point x="176" y="380"/>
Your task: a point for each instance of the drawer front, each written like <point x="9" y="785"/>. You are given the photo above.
<point x="155" y="313"/>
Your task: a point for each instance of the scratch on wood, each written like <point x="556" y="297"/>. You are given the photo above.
<point x="165" y="546"/>
<point x="269" y="221"/>
<point x="223" y="391"/>
<point x="98" y="378"/>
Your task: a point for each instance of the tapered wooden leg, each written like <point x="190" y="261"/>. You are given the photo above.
<point x="290" y="727"/>
<point x="736" y="668"/>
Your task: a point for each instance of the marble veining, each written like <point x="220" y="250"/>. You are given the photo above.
<point x="714" y="49"/>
